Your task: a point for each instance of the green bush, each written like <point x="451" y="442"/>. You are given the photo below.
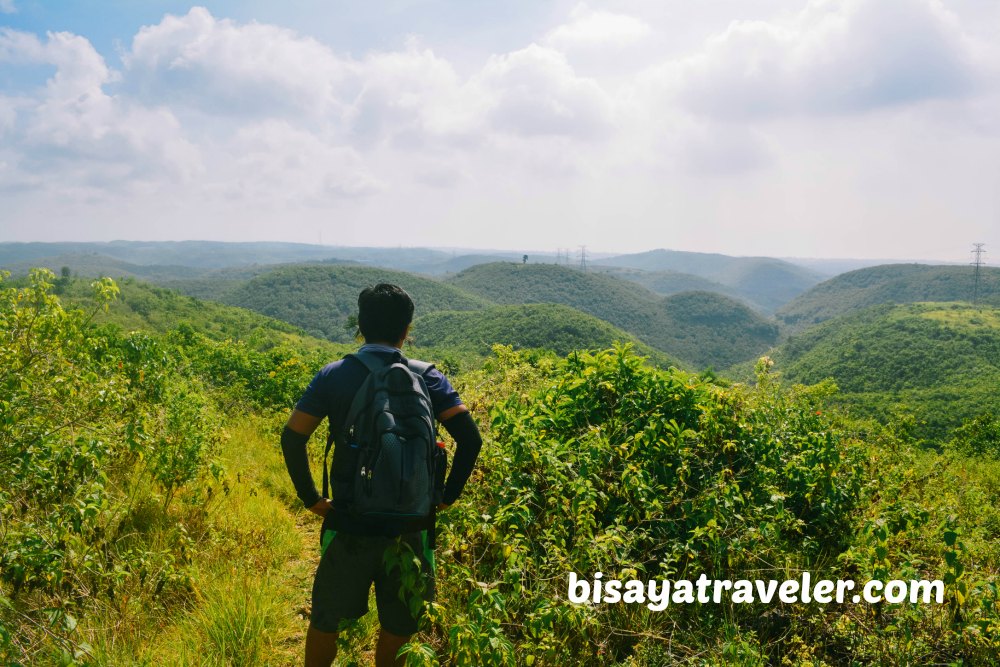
<point x="615" y="467"/>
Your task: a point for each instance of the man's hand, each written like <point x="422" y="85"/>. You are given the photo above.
<point x="321" y="507"/>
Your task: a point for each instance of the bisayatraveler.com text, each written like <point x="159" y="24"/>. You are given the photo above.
<point x="658" y="594"/>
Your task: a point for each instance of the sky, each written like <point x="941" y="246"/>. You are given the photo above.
<point x="829" y="128"/>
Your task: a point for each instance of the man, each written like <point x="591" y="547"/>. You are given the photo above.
<point x="353" y="548"/>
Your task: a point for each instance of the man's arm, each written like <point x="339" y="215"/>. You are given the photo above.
<point x="293" y="446"/>
<point x="462" y="427"/>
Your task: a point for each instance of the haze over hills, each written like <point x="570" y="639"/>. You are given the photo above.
<point x="198" y="254"/>
<point x="666" y="283"/>
<point x="765" y="281"/>
<point x="690" y="306"/>
<point x="207" y="255"/>
<point x="92" y="264"/>
<point x="891" y="283"/>
<point x="765" y="284"/>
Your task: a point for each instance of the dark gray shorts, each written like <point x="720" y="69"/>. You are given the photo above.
<point x="350" y="564"/>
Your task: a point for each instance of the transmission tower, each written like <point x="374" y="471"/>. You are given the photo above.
<point x="977" y="262"/>
<point x="583" y="258"/>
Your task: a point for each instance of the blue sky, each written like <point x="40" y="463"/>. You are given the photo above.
<point x="836" y="128"/>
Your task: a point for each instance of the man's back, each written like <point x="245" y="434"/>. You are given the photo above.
<point x="330" y="395"/>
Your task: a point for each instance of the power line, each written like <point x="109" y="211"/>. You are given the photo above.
<point x="583" y="258"/>
<point x="977" y="254"/>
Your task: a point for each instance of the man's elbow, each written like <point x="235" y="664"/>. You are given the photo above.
<point x="451" y="412"/>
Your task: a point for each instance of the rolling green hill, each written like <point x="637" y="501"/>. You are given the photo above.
<point x="890" y="283"/>
<point x="95" y="265"/>
<point x="940" y="361"/>
<point x="141" y="306"/>
<point x="764" y="281"/>
<point x="699" y="328"/>
<point x="666" y="283"/>
<point x="320" y="298"/>
<point x="710" y="329"/>
<point x="207" y="255"/>
<point x="623" y="304"/>
<point x="541" y="325"/>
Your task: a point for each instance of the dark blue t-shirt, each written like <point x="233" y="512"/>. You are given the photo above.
<point x="330" y="395"/>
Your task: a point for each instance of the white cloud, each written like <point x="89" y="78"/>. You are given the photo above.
<point x="589" y="28"/>
<point x="71" y="132"/>
<point x="223" y="67"/>
<point x="412" y="99"/>
<point x="535" y="92"/>
<point x="7" y="7"/>
<point x="226" y="128"/>
<point x="276" y="163"/>
<point x="833" y="57"/>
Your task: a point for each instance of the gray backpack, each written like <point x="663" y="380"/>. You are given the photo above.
<point x="390" y="443"/>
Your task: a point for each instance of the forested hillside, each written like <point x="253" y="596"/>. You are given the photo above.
<point x="319" y="299"/>
<point x="890" y="283"/>
<point x="769" y="283"/>
<point x="549" y="326"/>
<point x="666" y="283"/>
<point x="939" y="362"/>
<point x="700" y="328"/>
<point x="141" y="306"/>
<point x="623" y="304"/>
<point x="147" y="517"/>
<point x="711" y="330"/>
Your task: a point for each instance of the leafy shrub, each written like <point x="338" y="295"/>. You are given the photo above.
<point x="979" y="437"/>
<point x="87" y="416"/>
<point x="615" y="467"/>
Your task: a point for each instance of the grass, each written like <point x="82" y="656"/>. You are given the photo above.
<point x="251" y="554"/>
<point x="961" y="315"/>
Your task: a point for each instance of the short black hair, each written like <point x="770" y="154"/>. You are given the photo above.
<point x="384" y="312"/>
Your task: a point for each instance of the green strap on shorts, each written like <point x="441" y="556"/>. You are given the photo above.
<point x="325" y="539"/>
<point x="425" y="542"/>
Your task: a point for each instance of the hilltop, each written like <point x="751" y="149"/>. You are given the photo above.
<point x="541" y="325"/>
<point x="712" y="330"/>
<point x="890" y="283"/>
<point x="940" y="359"/>
<point x="700" y="328"/>
<point x="320" y="299"/>
<point x="144" y="307"/>
<point x="767" y="282"/>
<point x="623" y="304"/>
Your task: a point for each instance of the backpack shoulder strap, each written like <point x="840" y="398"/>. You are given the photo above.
<point x="419" y="367"/>
<point x="373" y="363"/>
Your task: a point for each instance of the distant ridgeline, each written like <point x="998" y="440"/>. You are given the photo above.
<point x="694" y="310"/>
<point x="699" y="323"/>
<point x="891" y="283"/>
<point x="763" y="283"/>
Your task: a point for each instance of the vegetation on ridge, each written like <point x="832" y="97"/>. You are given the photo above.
<point x="890" y="283"/>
